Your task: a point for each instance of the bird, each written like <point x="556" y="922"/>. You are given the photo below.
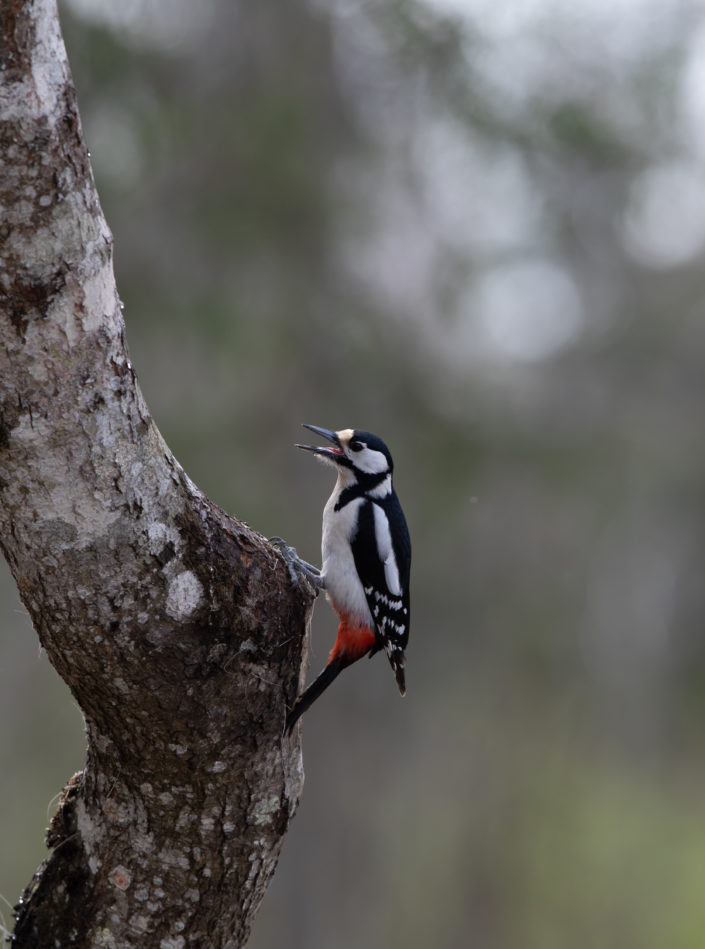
<point x="366" y="559"/>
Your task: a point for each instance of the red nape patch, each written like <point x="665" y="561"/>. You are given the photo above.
<point x="353" y="642"/>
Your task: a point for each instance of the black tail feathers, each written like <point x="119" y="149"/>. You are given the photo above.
<point x="401" y="681"/>
<point x="317" y="687"/>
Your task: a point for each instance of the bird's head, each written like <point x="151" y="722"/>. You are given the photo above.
<point x="357" y="453"/>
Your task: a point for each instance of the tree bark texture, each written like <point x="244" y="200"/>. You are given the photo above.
<point x="175" y="626"/>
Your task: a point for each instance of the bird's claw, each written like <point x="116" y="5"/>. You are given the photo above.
<point x="296" y="565"/>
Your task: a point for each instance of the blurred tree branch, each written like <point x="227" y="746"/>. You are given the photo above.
<point x="175" y="626"/>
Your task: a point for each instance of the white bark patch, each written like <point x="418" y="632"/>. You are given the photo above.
<point x="159" y="534"/>
<point x="104" y="939"/>
<point x="264" y="810"/>
<point x="143" y="843"/>
<point x="178" y="749"/>
<point x="173" y="858"/>
<point x="88" y="514"/>
<point x="184" y="597"/>
<point x="91" y="834"/>
<point x="99" y="299"/>
<point x="48" y="70"/>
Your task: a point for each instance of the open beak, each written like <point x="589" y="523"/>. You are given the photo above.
<point x="332" y="453"/>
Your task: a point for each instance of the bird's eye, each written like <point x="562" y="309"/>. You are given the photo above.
<point x="355" y="446"/>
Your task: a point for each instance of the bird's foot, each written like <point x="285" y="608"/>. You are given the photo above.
<point x="297" y="566"/>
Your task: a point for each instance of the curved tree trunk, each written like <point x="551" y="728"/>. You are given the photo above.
<point x="176" y="627"/>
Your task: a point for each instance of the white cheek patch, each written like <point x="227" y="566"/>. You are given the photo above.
<point x="369" y="461"/>
<point x="386" y="551"/>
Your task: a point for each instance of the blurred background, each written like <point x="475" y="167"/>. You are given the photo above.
<point x="477" y="229"/>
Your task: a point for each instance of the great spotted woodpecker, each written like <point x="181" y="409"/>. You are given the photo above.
<point x="366" y="559"/>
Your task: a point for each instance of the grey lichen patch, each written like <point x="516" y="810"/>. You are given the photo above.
<point x="177" y="942"/>
<point x="104" y="939"/>
<point x="178" y="749"/>
<point x="174" y="858"/>
<point x="263" y="811"/>
<point x="140" y="923"/>
<point x="163" y="538"/>
<point x="64" y="499"/>
<point x="91" y="832"/>
<point x="184" y="596"/>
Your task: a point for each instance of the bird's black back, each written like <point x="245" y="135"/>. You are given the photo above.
<point x="389" y="609"/>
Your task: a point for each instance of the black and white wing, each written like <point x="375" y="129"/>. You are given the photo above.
<point x="382" y="552"/>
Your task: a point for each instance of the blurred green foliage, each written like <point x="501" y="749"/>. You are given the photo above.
<point x="448" y="225"/>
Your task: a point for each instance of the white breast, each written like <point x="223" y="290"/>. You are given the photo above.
<point x="342" y="584"/>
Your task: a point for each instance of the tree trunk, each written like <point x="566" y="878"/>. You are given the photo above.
<point x="176" y="627"/>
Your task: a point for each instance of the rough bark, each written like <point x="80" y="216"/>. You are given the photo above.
<point x="174" y="625"/>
